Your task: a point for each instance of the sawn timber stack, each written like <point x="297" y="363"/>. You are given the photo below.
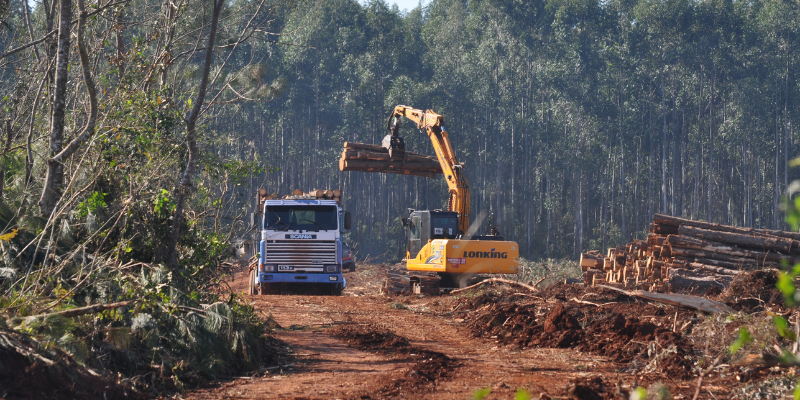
<point x="685" y="255"/>
<point x="373" y="158"/>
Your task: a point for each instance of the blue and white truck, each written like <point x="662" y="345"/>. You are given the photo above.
<point x="300" y="247"/>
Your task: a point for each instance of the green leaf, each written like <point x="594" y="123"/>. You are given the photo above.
<point x="639" y="393"/>
<point x="783" y="328"/>
<point x="522" y="394"/>
<point x="189" y="103"/>
<point x="743" y="339"/>
<point x="786" y="286"/>
<point x="481" y="393"/>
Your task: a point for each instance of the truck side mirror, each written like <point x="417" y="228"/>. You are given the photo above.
<point x="404" y="221"/>
<point x="253" y="221"/>
<point x="348" y="219"/>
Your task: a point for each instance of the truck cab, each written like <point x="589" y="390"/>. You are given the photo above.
<point x="300" y="247"/>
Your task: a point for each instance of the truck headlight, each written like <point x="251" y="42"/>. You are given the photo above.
<point x="331" y="268"/>
<point x="333" y="278"/>
<point x="269" y="268"/>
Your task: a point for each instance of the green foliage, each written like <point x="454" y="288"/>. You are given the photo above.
<point x="522" y="394"/>
<point x="743" y="338"/>
<point x="639" y="393"/>
<point x="481" y="393"/>
<point x="95" y="202"/>
<point x="163" y="204"/>
<point x="783" y="328"/>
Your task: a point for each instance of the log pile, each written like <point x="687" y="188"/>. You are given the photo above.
<point x="373" y="158"/>
<point x="298" y="194"/>
<point x="685" y="255"/>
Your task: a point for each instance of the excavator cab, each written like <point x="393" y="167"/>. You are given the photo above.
<point x="425" y="225"/>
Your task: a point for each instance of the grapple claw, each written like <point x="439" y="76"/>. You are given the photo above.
<point x="396" y="147"/>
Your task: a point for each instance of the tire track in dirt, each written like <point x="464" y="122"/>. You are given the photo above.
<point x="327" y="368"/>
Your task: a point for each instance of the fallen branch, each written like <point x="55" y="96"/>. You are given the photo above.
<point x="702" y="375"/>
<point x="74" y="312"/>
<point x="679" y="300"/>
<point x="533" y="296"/>
<point x="590" y="303"/>
<point x="501" y="280"/>
<point x="540" y="281"/>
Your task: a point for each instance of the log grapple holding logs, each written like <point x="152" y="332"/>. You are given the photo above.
<point x="373" y="158"/>
<point x="685" y="255"/>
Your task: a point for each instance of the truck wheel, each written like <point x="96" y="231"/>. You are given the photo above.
<point x="251" y="286"/>
<point x="269" y="288"/>
<point x="336" y="290"/>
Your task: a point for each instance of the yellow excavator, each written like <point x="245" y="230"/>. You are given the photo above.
<point x="444" y="241"/>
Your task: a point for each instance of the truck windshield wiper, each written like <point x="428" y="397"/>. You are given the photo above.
<point x="281" y="222"/>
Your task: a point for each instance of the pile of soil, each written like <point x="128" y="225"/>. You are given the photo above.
<point x="611" y="327"/>
<point x="368" y="337"/>
<point x="429" y="367"/>
<point x="588" y="389"/>
<point x="754" y="291"/>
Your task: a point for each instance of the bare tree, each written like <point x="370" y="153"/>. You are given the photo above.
<point x="191" y="139"/>
<point x="55" y="171"/>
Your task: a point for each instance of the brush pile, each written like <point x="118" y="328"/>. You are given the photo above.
<point x="682" y="255"/>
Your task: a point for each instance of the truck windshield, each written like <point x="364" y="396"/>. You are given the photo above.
<point x="307" y="218"/>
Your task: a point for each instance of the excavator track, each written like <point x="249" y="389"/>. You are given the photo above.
<point x="400" y="282"/>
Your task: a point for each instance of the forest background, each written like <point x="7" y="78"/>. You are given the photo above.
<point x="576" y="119"/>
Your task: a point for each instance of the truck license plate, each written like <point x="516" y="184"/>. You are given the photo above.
<point x="285" y="268"/>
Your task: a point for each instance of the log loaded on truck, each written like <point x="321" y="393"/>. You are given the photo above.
<point x="439" y="241"/>
<point x="300" y="246"/>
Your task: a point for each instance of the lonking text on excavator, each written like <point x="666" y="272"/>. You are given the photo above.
<point x="444" y="241"/>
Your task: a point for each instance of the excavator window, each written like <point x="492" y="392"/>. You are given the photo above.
<point x="414" y="228"/>
<point x="444" y="224"/>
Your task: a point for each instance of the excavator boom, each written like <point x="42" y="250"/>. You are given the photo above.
<point x="433" y="125"/>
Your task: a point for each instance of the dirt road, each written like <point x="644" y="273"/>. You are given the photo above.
<point x="364" y="345"/>
<point x="328" y="365"/>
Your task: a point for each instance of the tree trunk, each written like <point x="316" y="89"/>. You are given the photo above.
<point x="712" y="247"/>
<point x="697" y="281"/>
<point x="55" y="171"/>
<point x="191" y="140"/>
<point x="742" y="239"/>
<point x="661" y="219"/>
<point x="6" y="148"/>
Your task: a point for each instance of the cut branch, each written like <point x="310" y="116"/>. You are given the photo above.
<point x="501" y="280"/>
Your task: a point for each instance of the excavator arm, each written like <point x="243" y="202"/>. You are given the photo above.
<point x="433" y="125"/>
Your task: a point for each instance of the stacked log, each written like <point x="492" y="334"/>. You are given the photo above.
<point x="686" y="255"/>
<point x="373" y="158"/>
<point x="299" y="194"/>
